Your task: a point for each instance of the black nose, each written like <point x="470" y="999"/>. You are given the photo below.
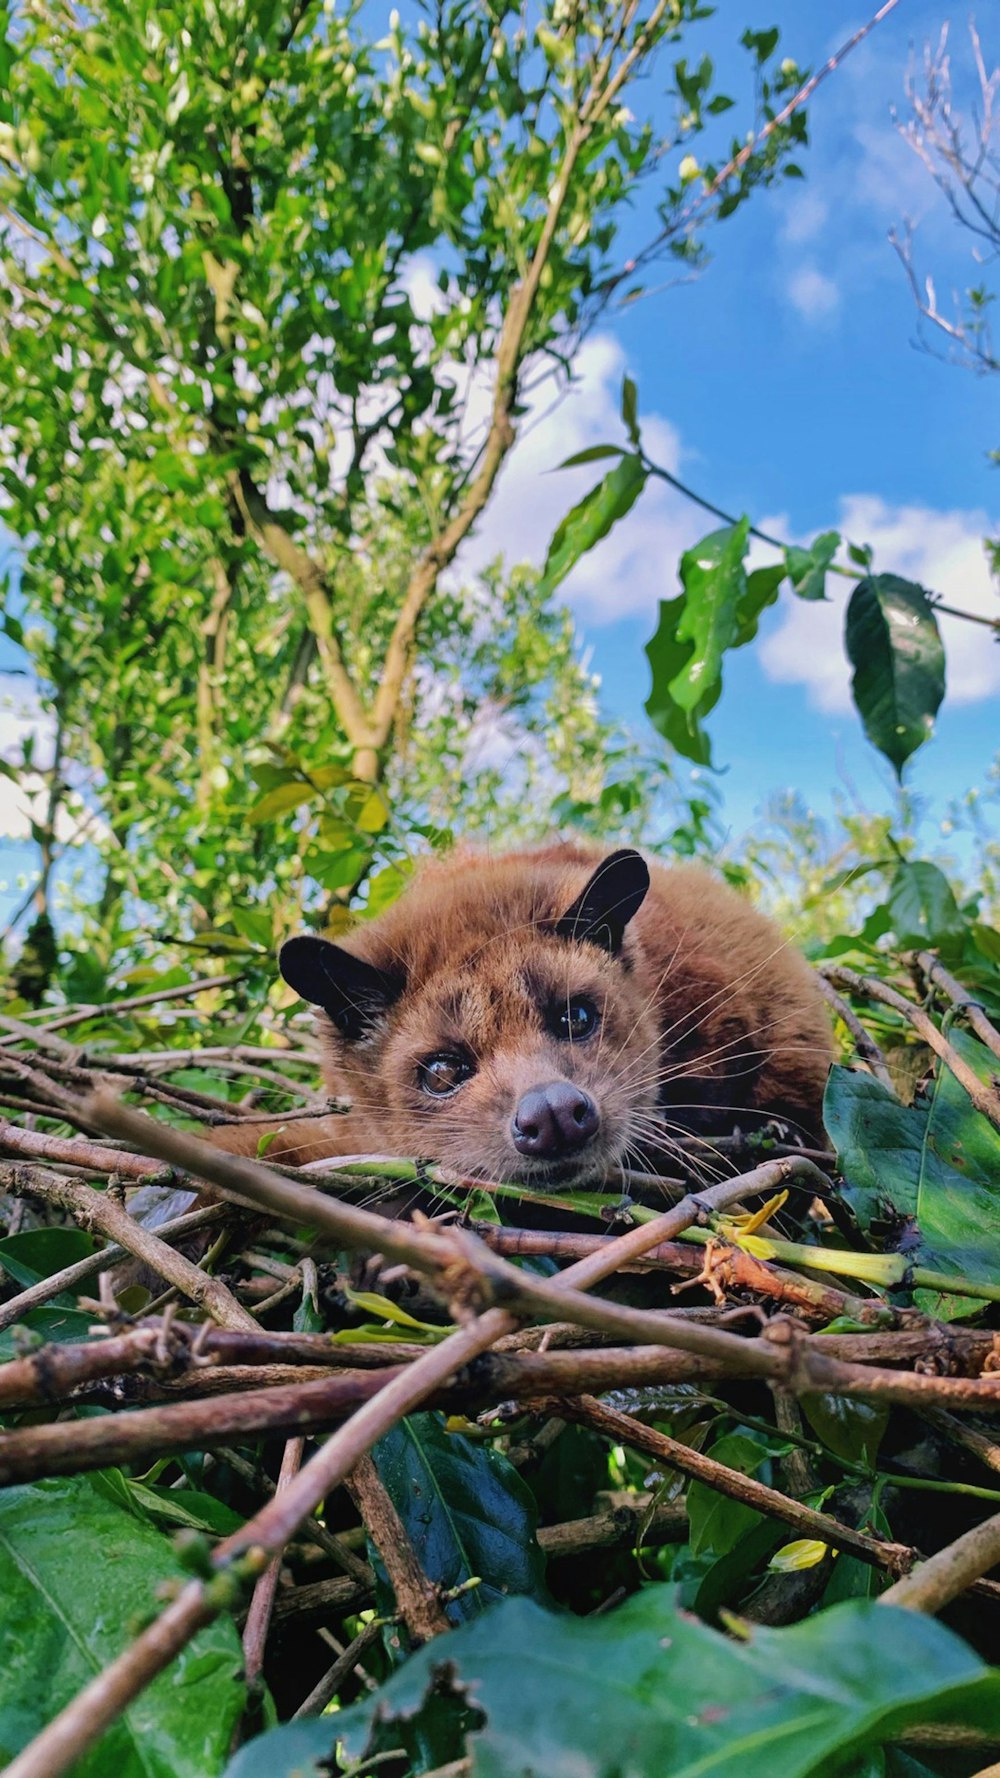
<point x="554" y="1120"/>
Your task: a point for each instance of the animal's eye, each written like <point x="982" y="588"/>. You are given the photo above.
<point x="443" y="1073"/>
<point x="574" y="1020"/>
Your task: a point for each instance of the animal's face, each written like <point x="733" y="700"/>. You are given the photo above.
<point x="530" y="1055"/>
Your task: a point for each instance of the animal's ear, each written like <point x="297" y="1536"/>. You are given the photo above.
<point x="353" y="992"/>
<point x="609" y="901"/>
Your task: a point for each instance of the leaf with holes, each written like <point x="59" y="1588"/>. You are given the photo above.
<point x="648" y="1690"/>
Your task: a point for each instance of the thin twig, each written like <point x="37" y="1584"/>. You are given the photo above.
<point x="864" y="1043"/>
<point x="416" y="1599"/>
<point x="951" y="1571"/>
<point x="96" y="1210"/>
<point x="259" y="1615"/>
<point x="961" y="999"/>
<point x="985" y="1098"/>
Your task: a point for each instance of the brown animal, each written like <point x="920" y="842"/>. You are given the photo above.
<point x="551" y="1014"/>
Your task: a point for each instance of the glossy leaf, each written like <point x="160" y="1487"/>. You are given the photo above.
<point x="647" y="1690"/>
<point x="592" y="518"/>
<point x="718" y="610"/>
<point x="467" y="1511"/>
<point x="75" y="1570"/>
<point x="894" y="645"/>
<point x="929" y="1172"/>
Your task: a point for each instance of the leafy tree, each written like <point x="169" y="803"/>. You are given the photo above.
<point x="238" y="449"/>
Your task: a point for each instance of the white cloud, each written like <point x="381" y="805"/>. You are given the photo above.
<point x="813" y="294"/>
<point x="635" y="565"/>
<point x="943" y="551"/>
<point x="804" y="218"/>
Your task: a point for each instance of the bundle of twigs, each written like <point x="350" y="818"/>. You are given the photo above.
<point x="205" y="1360"/>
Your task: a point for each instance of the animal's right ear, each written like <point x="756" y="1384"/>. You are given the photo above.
<point x="353" y="992"/>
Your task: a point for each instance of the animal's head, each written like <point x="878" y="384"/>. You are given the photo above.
<point x="485" y="1024"/>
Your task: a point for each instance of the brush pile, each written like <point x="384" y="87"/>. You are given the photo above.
<point x="633" y="1486"/>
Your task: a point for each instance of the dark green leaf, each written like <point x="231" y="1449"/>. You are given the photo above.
<point x="592" y="518"/>
<point x="895" y="649"/>
<point x="647" y="1691"/>
<point x="467" y="1511"/>
<point x="74" y="1571"/>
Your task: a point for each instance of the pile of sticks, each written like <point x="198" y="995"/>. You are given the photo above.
<point x="198" y="1368"/>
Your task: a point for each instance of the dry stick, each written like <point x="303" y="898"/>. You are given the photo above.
<point x="961" y="1000"/>
<point x="259" y="1615"/>
<point x="805" y="1520"/>
<point x="143" y="1434"/>
<point x="864" y="1043"/>
<point x="309" y="1404"/>
<point x="94" y="1209"/>
<point x="81" y="1723"/>
<point x="416" y="1599"/>
<point x="38" y="1145"/>
<point x="70" y="1276"/>
<point x="111" y="1008"/>
<point x="985" y="1098"/>
<point x="950" y="1571"/>
<point x="326" y="1689"/>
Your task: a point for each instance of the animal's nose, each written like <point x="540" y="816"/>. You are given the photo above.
<point x="554" y="1120"/>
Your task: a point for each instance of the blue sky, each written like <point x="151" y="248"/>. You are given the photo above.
<point x="784" y="382"/>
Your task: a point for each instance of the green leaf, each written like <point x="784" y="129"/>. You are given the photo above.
<point x="38" y="1253"/>
<point x="279" y="800"/>
<point x="75" y="1568"/>
<point x="807" y="568"/>
<point x="718" y="1523"/>
<point x="592" y="518"/>
<point x="467" y="1511"/>
<point x="593" y="454"/>
<point x="668" y="656"/>
<point x="933" y="1168"/>
<point x="717" y="610"/>
<point x="190" y="1507"/>
<point x="630" y="410"/>
<point x="894" y="646"/>
<point x="646" y="1691"/>
<point x="922" y="907"/>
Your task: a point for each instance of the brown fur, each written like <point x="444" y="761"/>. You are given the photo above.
<point x="710" y="1019"/>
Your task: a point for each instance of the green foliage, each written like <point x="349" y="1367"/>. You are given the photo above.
<point x="255" y="272"/>
<point x="891" y="633"/>
<point x="467" y="1512"/>
<point x="76" y="1569"/>
<point x="649" y="1689"/>
<point x="928" y="1173"/>
<point x="895" y="649"/>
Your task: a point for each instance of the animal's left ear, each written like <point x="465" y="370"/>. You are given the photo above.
<point x="614" y="894"/>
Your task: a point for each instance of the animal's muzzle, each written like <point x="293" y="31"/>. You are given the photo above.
<point x="554" y="1120"/>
